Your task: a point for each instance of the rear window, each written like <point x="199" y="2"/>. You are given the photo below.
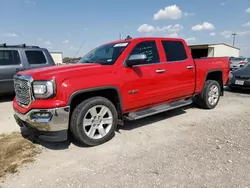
<point x="35" y="57"/>
<point x="174" y="50"/>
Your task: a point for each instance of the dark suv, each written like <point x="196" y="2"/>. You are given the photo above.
<point x="20" y="57"/>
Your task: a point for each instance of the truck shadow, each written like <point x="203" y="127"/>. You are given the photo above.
<point x="129" y="125"/>
<point x="32" y="137"/>
<point x="236" y="90"/>
<point x="7" y="98"/>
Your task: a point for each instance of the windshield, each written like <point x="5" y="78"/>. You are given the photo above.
<point x="238" y="58"/>
<point x="105" y="54"/>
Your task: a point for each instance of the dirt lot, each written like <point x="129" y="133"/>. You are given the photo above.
<point x="7" y="123"/>
<point x="181" y="148"/>
<point x="15" y="151"/>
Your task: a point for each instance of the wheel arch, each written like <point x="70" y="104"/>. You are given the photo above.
<point x="216" y="74"/>
<point x="110" y="92"/>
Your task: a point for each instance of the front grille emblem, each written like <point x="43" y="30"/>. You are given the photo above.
<point x="23" y="90"/>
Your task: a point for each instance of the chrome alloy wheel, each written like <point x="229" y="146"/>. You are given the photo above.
<point x="97" y="122"/>
<point x="213" y="95"/>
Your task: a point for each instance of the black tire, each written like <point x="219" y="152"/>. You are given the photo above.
<point x="202" y="99"/>
<point x="77" y="117"/>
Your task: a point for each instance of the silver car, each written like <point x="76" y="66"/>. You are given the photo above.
<point x="238" y="62"/>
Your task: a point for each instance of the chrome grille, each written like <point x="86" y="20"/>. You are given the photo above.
<point x="22" y="85"/>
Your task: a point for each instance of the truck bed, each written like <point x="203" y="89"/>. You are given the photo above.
<point x="204" y="65"/>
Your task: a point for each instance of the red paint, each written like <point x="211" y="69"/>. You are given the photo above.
<point x="176" y="83"/>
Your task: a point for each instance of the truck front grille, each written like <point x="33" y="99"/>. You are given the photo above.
<point x="22" y="85"/>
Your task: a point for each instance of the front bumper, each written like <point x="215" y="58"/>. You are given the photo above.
<point x="48" y="123"/>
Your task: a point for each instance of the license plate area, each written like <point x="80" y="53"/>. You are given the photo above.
<point x="239" y="82"/>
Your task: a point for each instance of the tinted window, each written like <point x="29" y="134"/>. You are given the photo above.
<point x="35" y="57"/>
<point x="9" y="57"/>
<point x="150" y="49"/>
<point x="174" y="50"/>
<point x="16" y="57"/>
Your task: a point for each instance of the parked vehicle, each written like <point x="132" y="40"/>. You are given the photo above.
<point x="17" y="58"/>
<point x="240" y="78"/>
<point x="122" y="80"/>
<point x="238" y="62"/>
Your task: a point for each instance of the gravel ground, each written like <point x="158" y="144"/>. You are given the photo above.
<point x="183" y="148"/>
<point x="7" y="122"/>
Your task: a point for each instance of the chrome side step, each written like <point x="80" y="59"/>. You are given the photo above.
<point x="157" y="109"/>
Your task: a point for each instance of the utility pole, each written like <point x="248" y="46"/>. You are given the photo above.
<point x="120" y="36"/>
<point x="234" y="34"/>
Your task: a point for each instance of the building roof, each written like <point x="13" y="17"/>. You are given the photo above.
<point x="206" y="45"/>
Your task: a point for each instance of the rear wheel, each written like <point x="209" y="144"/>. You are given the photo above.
<point x="94" y="121"/>
<point x="210" y="95"/>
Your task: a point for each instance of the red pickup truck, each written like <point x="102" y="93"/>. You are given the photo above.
<point x="122" y="80"/>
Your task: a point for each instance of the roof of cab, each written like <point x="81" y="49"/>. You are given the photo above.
<point x="146" y="38"/>
<point x="20" y="47"/>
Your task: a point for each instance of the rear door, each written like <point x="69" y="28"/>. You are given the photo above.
<point x="180" y="70"/>
<point x="10" y="64"/>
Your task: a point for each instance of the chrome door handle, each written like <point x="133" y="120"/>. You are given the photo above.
<point x="190" y="66"/>
<point x="160" y="70"/>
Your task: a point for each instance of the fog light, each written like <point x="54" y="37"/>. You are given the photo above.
<point x="42" y="114"/>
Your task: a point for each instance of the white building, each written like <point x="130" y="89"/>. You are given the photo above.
<point x="57" y="57"/>
<point x="214" y="50"/>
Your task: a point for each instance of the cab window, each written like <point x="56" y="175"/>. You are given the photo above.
<point x="149" y="48"/>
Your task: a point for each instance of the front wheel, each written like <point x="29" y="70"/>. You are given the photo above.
<point x="210" y="95"/>
<point x="94" y="121"/>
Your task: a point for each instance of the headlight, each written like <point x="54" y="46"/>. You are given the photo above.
<point x="44" y="89"/>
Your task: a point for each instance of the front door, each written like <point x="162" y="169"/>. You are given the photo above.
<point x="144" y="84"/>
<point x="10" y="64"/>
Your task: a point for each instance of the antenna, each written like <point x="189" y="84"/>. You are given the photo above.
<point x="80" y="48"/>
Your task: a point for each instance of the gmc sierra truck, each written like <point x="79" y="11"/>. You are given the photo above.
<point x="122" y="80"/>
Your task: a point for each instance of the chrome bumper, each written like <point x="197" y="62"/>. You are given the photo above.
<point x="55" y="119"/>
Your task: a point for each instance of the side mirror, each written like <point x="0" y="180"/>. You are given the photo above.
<point x="136" y="59"/>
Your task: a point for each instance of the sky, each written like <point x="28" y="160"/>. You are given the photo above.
<point x="66" y="25"/>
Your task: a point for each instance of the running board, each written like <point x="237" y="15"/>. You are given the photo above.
<point x="157" y="109"/>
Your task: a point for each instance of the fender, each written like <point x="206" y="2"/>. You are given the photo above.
<point x="215" y="70"/>
<point x="96" y="89"/>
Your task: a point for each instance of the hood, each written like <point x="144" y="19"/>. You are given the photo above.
<point x="53" y="71"/>
<point x="244" y="71"/>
